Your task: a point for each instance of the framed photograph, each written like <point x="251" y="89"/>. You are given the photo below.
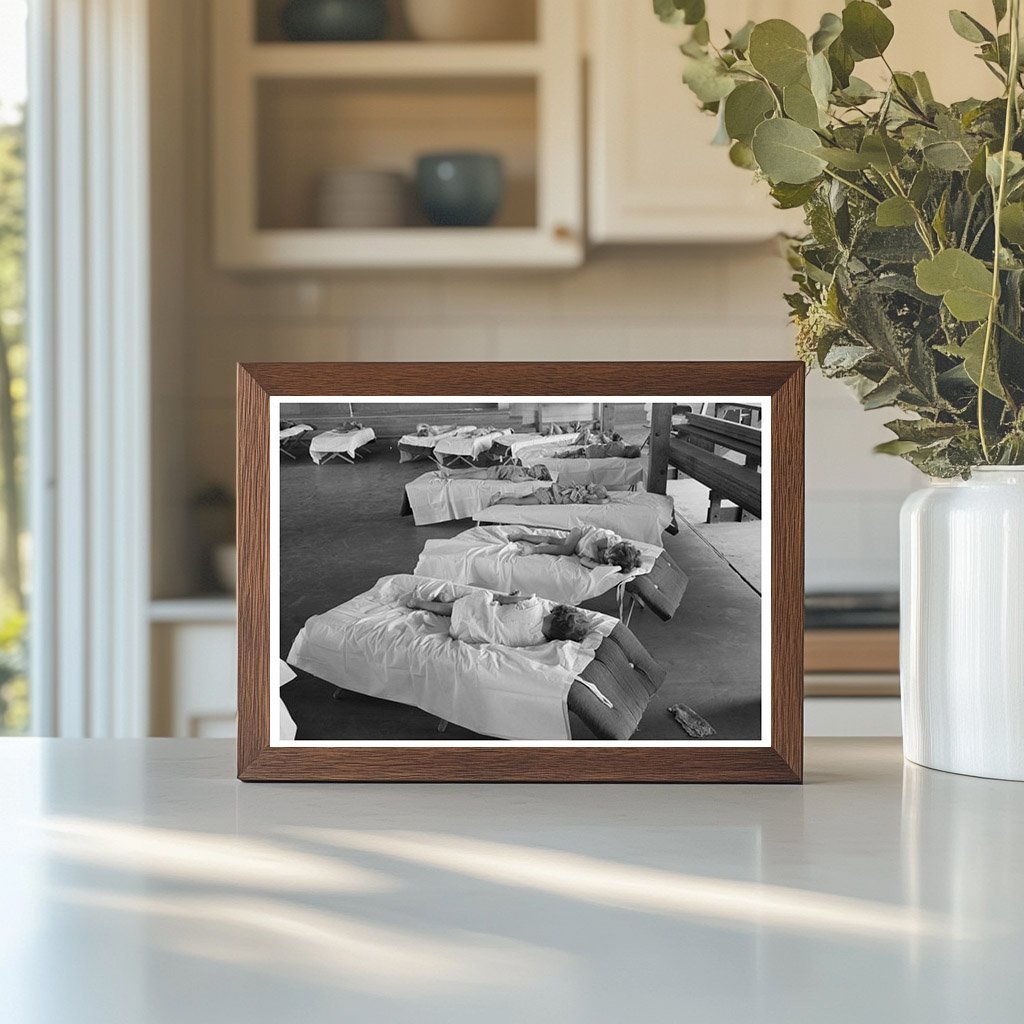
<point x="519" y="572"/>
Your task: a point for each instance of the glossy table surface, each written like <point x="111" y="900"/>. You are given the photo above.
<point x="142" y="884"/>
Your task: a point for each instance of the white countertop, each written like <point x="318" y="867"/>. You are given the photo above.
<point x="143" y="885"/>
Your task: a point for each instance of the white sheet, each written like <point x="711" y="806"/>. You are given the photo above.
<point x="428" y="441"/>
<point x="345" y="441"/>
<point x="436" y="498"/>
<point x="636" y="516"/>
<point x="615" y="474"/>
<point x="521" y="444"/>
<point x="373" y="644"/>
<point x="485" y="557"/>
<point x="297" y="431"/>
<point x="469" y="445"/>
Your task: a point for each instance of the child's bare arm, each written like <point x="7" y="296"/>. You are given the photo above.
<point x="437" y="607"/>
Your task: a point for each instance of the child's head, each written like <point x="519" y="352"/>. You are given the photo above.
<point x="623" y="554"/>
<point x="565" y="623"/>
<point x="599" y="491"/>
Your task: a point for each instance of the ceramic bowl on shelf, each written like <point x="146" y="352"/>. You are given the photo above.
<point x="471" y="20"/>
<point x="361" y="198"/>
<point x="460" y="189"/>
<point x="332" y="21"/>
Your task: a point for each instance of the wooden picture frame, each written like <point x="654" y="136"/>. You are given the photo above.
<point x="779" y="759"/>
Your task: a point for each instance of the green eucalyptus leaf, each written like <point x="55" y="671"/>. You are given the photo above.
<point x="785" y="152"/>
<point x="676" y="12"/>
<point x="788" y="196"/>
<point x="779" y="51"/>
<point x="999" y="7"/>
<point x="800" y="105"/>
<point x="946" y="155"/>
<point x="895" y="212"/>
<point x="745" y="108"/>
<point x="921" y="185"/>
<point x="844" y="159"/>
<point x="923" y="431"/>
<point x="976" y="172"/>
<point x="969" y="28"/>
<point x="819" y="75"/>
<point x="1012" y="225"/>
<point x="866" y="29"/>
<point x="963" y="281"/>
<point x="972" y="352"/>
<point x="994" y="169"/>
<point x="739" y="41"/>
<point x="701" y="32"/>
<point x="708" y="80"/>
<point x="924" y="87"/>
<point x="884" y="395"/>
<point x="895" y="447"/>
<point x="829" y="30"/>
<point x="882" y="152"/>
<point x="741" y="155"/>
<point x="842" y="61"/>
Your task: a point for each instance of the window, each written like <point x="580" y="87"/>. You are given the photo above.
<point x="14" y="703"/>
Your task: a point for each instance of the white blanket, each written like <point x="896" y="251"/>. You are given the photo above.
<point x="375" y="645"/>
<point x="485" y="557"/>
<point x="520" y="445"/>
<point x="468" y="445"/>
<point x="636" y="516"/>
<point x="615" y="474"/>
<point x="347" y="442"/>
<point x="437" y="498"/>
<point x="297" y="431"/>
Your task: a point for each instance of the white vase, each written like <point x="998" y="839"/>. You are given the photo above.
<point x="962" y="624"/>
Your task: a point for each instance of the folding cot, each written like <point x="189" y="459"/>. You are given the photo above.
<point x="485" y="556"/>
<point x="289" y="434"/>
<point x="376" y="645"/>
<point x="340" y="444"/>
<point x="614" y="474"/>
<point x="633" y="515"/>
<point x="516" y="446"/>
<point x="421" y="446"/>
<point x="467" y="449"/>
<point x="449" y="494"/>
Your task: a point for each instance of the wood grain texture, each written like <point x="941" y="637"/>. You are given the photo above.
<point x="781" y="762"/>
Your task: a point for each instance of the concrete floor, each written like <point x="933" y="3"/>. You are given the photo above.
<point x="341" y="531"/>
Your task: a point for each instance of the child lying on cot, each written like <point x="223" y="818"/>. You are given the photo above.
<point x="593" y="545"/>
<point x="558" y="494"/>
<point x="507" y="619"/>
<point x="511" y="473"/>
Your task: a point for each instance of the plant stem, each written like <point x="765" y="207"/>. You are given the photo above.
<point x="855" y="187"/>
<point x="993" y="309"/>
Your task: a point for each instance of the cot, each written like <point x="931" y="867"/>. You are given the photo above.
<point x="633" y="515"/>
<point x="421" y="446"/>
<point x="377" y="646"/>
<point x="340" y="444"/>
<point x="484" y="556"/>
<point x="448" y="494"/>
<point x="467" y="449"/>
<point x="615" y="474"/>
<point x="289" y="434"/>
<point x="515" y="446"/>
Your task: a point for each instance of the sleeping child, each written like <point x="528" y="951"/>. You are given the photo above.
<point x="593" y="545"/>
<point x="510" y="620"/>
<point x="559" y="494"/>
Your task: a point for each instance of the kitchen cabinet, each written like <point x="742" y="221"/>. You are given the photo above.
<point x="287" y="113"/>
<point x="653" y="175"/>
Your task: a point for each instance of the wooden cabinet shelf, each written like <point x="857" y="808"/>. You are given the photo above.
<point x="392" y="60"/>
<point x="287" y="114"/>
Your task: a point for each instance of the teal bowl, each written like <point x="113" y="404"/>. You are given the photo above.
<point x="334" y="21"/>
<point x="460" y="190"/>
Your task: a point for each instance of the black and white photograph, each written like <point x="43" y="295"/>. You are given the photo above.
<point x="548" y="571"/>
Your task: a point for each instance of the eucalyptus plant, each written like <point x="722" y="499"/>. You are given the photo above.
<point x="910" y="278"/>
